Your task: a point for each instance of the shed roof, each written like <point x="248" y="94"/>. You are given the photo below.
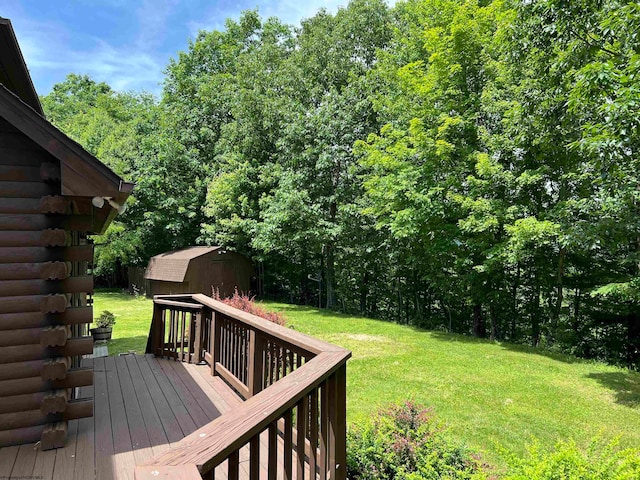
<point x="172" y="266"/>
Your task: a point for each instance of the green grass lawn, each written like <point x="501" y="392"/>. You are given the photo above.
<point x="488" y="393"/>
<point x="133" y="319"/>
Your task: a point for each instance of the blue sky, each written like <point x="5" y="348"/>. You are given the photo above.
<point x="126" y="43"/>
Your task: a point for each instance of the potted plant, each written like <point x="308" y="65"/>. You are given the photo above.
<point x="103" y="326"/>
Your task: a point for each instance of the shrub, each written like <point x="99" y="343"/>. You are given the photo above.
<point x="406" y="442"/>
<point x="106" y="319"/>
<point x="247" y="304"/>
<point x="600" y="461"/>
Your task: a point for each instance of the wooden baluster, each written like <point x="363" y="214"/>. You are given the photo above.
<point x="238" y="351"/>
<point x="290" y="367"/>
<point x="241" y="356"/>
<point x="210" y="475"/>
<point x="229" y="343"/>
<point x="233" y="465"/>
<point x="288" y="447"/>
<point x="302" y="420"/>
<point x="273" y="451"/>
<point x="169" y="329"/>
<point x="333" y="430"/>
<point x="165" y="331"/>
<point x="341" y="423"/>
<point x="214" y="341"/>
<point x="313" y="434"/>
<point x="254" y="458"/>
<point x="224" y="341"/>
<point x="269" y="379"/>
<point x="324" y="415"/>
<point x="245" y="356"/>
<point x="174" y="329"/>
<point x="198" y="334"/>
<point x="235" y="350"/>
<point x="183" y="324"/>
<point x="285" y="361"/>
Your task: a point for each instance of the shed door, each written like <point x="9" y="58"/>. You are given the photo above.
<point x="224" y="277"/>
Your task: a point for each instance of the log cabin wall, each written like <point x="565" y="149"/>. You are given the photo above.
<point x="44" y="289"/>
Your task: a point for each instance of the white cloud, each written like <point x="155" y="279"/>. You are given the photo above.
<point x="289" y="11"/>
<point x="153" y="16"/>
<point x="50" y="56"/>
<point x="52" y="49"/>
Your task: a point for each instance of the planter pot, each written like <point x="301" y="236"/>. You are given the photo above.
<point x="101" y="334"/>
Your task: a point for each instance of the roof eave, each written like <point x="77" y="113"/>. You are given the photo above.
<point x="14" y="73"/>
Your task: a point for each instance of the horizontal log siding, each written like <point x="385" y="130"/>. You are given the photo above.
<point x="43" y="290"/>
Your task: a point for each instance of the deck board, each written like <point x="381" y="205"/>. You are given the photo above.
<point x="168" y="420"/>
<point x="45" y="463"/>
<point x="102" y="423"/>
<point x="66" y="457"/>
<point x="85" y="447"/>
<point x="153" y="425"/>
<point x="174" y="400"/>
<point x="141" y="406"/>
<point x="8" y="457"/>
<point x="25" y="461"/>
<point x="140" y="441"/>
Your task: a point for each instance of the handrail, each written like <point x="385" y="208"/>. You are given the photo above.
<point x="173" y="303"/>
<point x="285" y="376"/>
<point x="310" y="344"/>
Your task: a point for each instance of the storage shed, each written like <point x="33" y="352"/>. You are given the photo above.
<point x="50" y="191"/>
<point x="197" y="270"/>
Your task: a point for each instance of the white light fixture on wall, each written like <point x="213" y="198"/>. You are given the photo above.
<point x="98" y="202"/>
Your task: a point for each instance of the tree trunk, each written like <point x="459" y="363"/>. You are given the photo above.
<point x="364" y="287"/>
<point x="494" y="321"/>
<point x="557" y="308"/>
<point x="514" y="313"/>
<point x="330" y="275"/>
<point x="535" y="314"/>
<point x="633" y="340"/>
<point x="479" y="328"/>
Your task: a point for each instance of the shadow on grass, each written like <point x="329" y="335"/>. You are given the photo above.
<point x="124" y="345"/>
<point x="443" y="335"/>
<point x="512" y="347"/>
<point x="117" y="293"/>
<point x="625" y="385"/>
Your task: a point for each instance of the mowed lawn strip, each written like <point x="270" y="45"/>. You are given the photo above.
<point x="488" y="393"/>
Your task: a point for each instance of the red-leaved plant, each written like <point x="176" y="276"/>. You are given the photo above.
<point x="247" y="304"/>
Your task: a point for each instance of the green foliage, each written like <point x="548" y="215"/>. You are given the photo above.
<point x="244" y="302"/>
<point x="406" y="442"/>
<point x="464" y="165"/>
<point x="105" y="319"/>
<point x="600" y="461"/>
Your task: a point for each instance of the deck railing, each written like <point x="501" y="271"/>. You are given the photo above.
<point x="292" y="424"/>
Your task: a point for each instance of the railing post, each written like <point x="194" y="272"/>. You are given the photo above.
<point x="256" y="362"/>
<point x="156" y="330"/>
<point x="197" y="341"/>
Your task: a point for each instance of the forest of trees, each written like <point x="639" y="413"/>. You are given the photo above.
<point x="465" y="165"/>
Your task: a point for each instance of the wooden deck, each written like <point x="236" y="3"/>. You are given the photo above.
<point x="143" y="405"/>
